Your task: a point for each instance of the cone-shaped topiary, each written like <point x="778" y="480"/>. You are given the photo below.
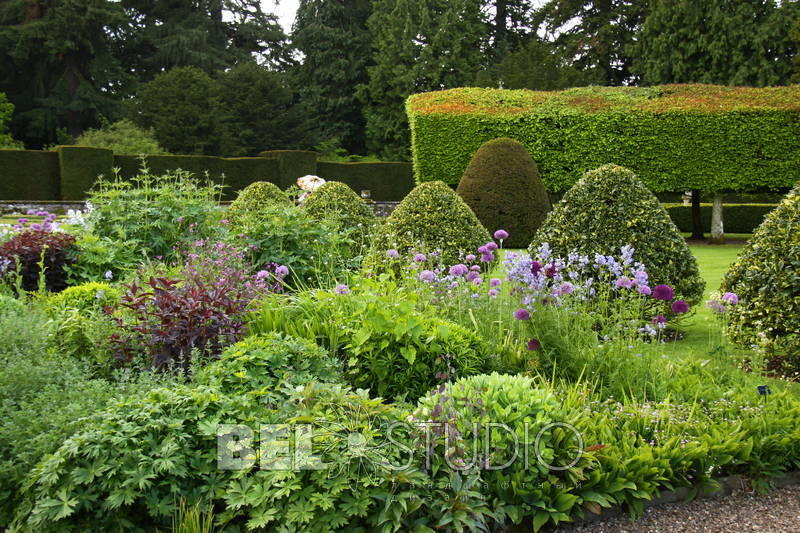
<point x="765" y="279"/>
<point x="254" y="197"/>
<point x="337" y="201"/>
<point x="503" y="188"/>
<point x="432" y="218"/>
<point x="609" y="208"/>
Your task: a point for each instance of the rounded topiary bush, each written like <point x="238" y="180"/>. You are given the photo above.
<point x="337" y="201"/>
<point x="503" y="188"/>
<point x="609" y="208"/>
<point x="255" y="197"/>
<point x="765" y="279"/>
<point x="432" y="218"/>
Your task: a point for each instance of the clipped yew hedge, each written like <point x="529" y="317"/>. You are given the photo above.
<point x="675" y="137"/>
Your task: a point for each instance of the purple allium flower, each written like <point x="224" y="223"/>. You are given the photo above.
<point x="477" y="281"/>
<point x="566" y="288"/>
<point x="458" y="270"/>
<point x="730" y="297"/>
<point x="551" y="270"/>
<point x="663" y="292"/>
<point x="644" y="289"/>
<point x="679" y="307"/>
<point x="494" y="282"/>
<point x="475" y="268"/>
<point x="427" y="276"/>
<point x="491" y="246"/>
<point x="471" y="275"/>
<point x="501" y="234"/>
<point x="716" y="306"/>
<point x="482" y="250"/>
<point x="420" y="258"/>
<point x="282" y="271"/>
<point x="522" y="314"/>
<point x="536" y="267"/>
<point x="660" y="320"/>
<point x="492" y="292"/>
<point x="342" y="289"/>
<point x="534" y="345"/>
<point x="179" y="220"/>
<point x="470" y="258"/>
<point x="487" y="258"/>
<point x="22" y="221"/>
<point x="392" y="253"/>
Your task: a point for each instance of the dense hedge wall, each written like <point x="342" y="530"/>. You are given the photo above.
<point x="29" y="175"/>
<point x="292" y="164"/>
<point x="739" y="218"/>
<point x="675" y="137"/>
<point x="80" y="167"/>
<point x="385" y="181"/>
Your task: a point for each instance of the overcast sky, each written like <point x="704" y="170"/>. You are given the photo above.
<point x="285" y="9"/>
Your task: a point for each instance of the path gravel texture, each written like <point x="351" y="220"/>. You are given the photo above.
<point x="775" y="512"/>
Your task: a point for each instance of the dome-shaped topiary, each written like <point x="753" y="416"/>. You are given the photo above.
<point x="254" y="197"/>
<point x="765" y="281"/>
<point x="432" y="218"/>
<point x="503" y="188"/>
<point x="609" y="208"/>
<point x="337" y="201"/>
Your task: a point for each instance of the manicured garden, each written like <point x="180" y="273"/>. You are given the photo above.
<point x="292" y="363"/>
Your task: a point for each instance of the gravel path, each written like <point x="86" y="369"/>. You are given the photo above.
<point x="775" y="512"/>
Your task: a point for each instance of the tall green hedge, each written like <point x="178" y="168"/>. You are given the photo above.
<point x="29" y="175"/>
<point x="80" y="166"/>
<point x="385" y="181"/>
<point x="675" y="137"/>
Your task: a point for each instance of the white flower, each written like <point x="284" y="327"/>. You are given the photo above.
<point x="108" y="275"/>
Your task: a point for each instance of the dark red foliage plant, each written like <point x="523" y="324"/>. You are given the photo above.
<point x="25" y="253"/>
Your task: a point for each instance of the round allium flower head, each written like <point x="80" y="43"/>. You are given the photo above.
<point x="470" y="258"/>
<point x="392" y="253"/>
<point x="483" y="250"/>
<point x="427" y="276"/>
<point x="551" y="270"/>
<point x="472" y="275"/>
<point x="494" y="282"/>
<point x="536" y="267"/>
<point x="487" y="258"/>
<point x="458" y="270"/>
<point x="477" y="281"/>
<point x="282" y="271"/>
<point x="475" y="268"/>
<point x="716" y="306"/>
<point x="501" y="234"/>
<point x="663" y="292"/>
<point x="420" y="258"/>
<point x="679" y="306"/>
<point x="492" y="292"/>
<point x="342" y="289"/>
<point x="534" y="345"/>
<point x="522" y="314"/>
<point x="644" y="289"/>
<point x="730" y="297"/>
<point x="566" y="288"/>
<point x="659" y="320"/>
<point x="491" y="246"/>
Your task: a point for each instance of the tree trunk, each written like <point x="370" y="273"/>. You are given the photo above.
<point x="697" y="220"/>
<point x="717" y="231"/>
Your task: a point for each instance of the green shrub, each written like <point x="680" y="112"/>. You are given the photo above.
<point x="154" y="214"/>
<point x="610" y="208"/>
<point x="254" y="198"/>
<point x="263" y="365"/>
<point x="383" y="341"/>
<point x="336" y="201"/>
<point x="765" y="279"/>
<point x="432" y="218"/>
<point x="88" y="296"/>
<point x="9" y="304"/>
<point x="675" y="137"/>
<point x="527" y="442"/>
<point x="503" y="188"/>
<point x="122" y="137"/>
<point x="94" y="258"/>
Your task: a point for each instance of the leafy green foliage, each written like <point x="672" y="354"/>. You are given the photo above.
<point x="338" y="202"/>
<point x="383" y="342"/>
<point x="6" y="110"/>
<point x="264" y="365"/>
<point x="676" y="137"/>
<point x="610" y="208"/>
<point x="502" y="186"/>
<point x="432" y="218"/>
<point x="93" y="295"/>
<point x="153" y="214"/>
<point x="765" y="278"/>
<point x="123" y="137"/>
<point x="255" y="197"/>
<point x="746" y="43"/>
